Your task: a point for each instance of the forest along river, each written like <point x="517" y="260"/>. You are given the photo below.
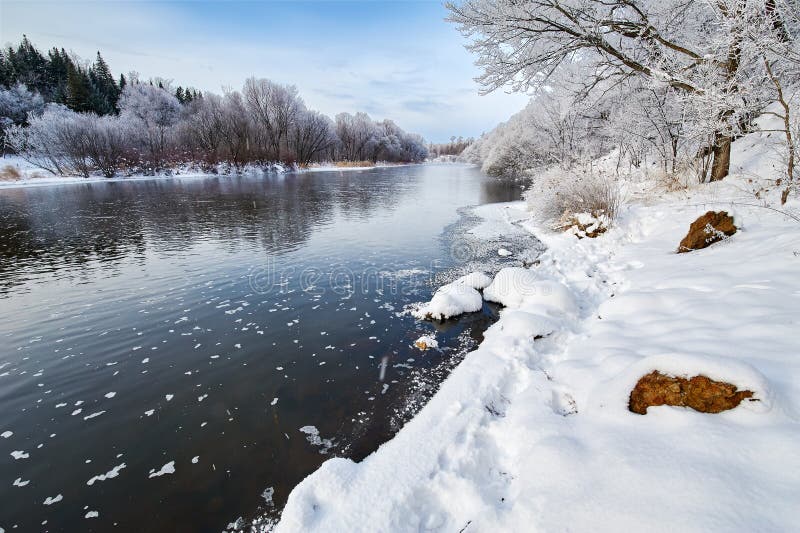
<point x="177" y="354"/>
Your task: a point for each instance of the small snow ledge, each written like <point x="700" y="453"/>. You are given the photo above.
<point x="450" y="300"/>
<point x="515" y="287"/>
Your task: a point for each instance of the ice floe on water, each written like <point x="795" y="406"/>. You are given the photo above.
<point x="20" y="483"/>
<point x="50" y="500"/>
<point x="114" y="472"/>
<point x="312" y="436"/>
<point x="267" y="495"/>
<point x="19" y="454"/>
<point x="426" y="342"/>
<point x="91" y="514"/>
<point x="6" y="434"/>
<point x="168" y="468"/>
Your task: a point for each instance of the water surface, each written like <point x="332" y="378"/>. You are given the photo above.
<point x="179" y="353"/>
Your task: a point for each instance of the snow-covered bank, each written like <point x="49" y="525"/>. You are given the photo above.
<point x="532" y="431"/>
<point x="15" y="172"/>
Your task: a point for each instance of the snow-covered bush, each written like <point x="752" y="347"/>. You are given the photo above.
<point x="16" y="103"/>
<point x="561" y="199"/>
<point x="152" y="114"/>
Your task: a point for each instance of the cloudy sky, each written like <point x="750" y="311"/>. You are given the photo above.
<point x="397" y="60"/>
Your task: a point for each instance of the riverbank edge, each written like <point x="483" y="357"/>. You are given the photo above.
<point x="32" y="176"/>
<point x="523" y="428"/>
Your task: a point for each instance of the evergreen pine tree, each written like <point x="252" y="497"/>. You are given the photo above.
<point x="179" y="94"/>
<point x="78" y="89"/>
<point x="105" y="90"/>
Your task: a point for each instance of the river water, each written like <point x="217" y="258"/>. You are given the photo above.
<point x="177" y="354"/>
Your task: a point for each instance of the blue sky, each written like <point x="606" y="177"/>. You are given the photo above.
<point x="397" y="60"/>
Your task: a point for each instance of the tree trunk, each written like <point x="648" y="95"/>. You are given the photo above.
<point x="722" y="156"/>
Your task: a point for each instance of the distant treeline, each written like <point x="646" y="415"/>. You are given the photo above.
<point x="454" y="147"/>
<point x="73" y="118"/>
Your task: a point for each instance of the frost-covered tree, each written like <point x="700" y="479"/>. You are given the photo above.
<point x="16" y="104"/>
<point x="703" y="49"/>
<point x="311" y="135"/>
<point x="357" y="135"/>
<point x="274" y="109"/>
<point x="236" y="130"/>
<point x="204" y="126"/>
<point x="153" y="114"/>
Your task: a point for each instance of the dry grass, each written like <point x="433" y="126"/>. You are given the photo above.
<point x="351" y="164"/>
<point x="9" y="173"/>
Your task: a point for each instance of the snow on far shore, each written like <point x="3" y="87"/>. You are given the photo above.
<point x="33" y="176"/>
<point x="531" y="432"/>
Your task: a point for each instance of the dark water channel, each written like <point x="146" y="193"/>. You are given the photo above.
<point x="179" y="353"/>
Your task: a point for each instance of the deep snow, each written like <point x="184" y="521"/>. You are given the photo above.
<point x="532" y="432"/>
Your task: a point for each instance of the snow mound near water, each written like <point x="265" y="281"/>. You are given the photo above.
<point x="515" y="287"/>
<point x="476" y="280"/>
<point x="450" y="300"/>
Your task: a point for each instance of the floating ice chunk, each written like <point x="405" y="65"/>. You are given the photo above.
<point x="274" y="401"/>
<point x="195" y="459"/>
<point x="19" y="454"/>
<point x="312" y="436"/>
<point x="93" y="415"/>
<point x="19" y="483"/>
<point x="54" y="499"/>
<point x="168" y="468"/>
<point x="92" y="514"/>
<point x="502" y="252"/>
<point x="150" y="412"/>
<point x="6" y="434"/>
<point x="169" y="397"/>
<point x="114" y="472"/>
<point x="267" y="495"/>
<point x="426" y="342"/>
<point x="110" y="395"/>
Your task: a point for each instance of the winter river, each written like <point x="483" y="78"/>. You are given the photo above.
<point x="177" y="354"/>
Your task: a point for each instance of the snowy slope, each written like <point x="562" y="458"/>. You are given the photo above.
<point x="532" y="433"/>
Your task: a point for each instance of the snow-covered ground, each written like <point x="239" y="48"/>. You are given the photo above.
<point x="532" y="432"/>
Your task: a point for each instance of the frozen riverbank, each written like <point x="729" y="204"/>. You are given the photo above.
<point x="532" y="431"/>
<point x="15" y="172"/>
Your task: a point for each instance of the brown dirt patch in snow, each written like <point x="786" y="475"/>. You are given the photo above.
<point x="712" y="227"/>
<point x="699" y="393"/>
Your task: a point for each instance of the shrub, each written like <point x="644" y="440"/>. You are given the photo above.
<point x="563" y="200"/>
